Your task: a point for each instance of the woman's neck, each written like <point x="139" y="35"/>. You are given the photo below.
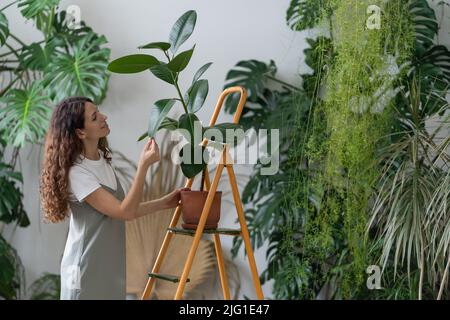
<point x="91" y="150"/>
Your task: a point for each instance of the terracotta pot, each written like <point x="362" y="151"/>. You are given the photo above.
<point x="192" y="203"/>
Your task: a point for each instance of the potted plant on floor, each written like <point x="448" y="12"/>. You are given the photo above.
<point x="194" y="157"/>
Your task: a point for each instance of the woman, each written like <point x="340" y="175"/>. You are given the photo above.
<point x="78" y="178"/>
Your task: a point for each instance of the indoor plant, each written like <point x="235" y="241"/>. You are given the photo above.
<point x="192" y="101"/>
<point x="34" y="77"/>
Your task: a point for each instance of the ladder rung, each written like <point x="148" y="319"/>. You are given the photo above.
<point x="166" y="277"/>
<point x="189" y="232"/>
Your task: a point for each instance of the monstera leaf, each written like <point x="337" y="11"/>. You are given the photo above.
<point x="304" y="14"/>
<point x="81" y="72"/>
<point x="34" y="57"/>
<point x="12" y="271"/>
<point x="25" y="115"/>
<point x="31" y="8"/>
<point x="182" y="30"/>
<point x="252" y="75"/>
<point x="425" y="24"/>
<point x="4" y="29"/>
<point x="11" y="207"/>
<point x="61" y="33"/>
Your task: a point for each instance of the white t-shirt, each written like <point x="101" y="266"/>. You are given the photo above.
<point x="85" y="176"/>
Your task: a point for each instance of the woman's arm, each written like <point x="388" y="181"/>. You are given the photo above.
<point x="107" y="204"/>
<point x="171" y="200"/>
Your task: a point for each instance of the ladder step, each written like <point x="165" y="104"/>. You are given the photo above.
<point x="189" y="232"/>
<point x="166" y="277"/>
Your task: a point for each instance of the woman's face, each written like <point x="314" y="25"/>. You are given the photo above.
<point x="95" y="125"/>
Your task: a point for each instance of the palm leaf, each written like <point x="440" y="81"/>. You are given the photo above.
<point x="25" y="115"/>
<point x="81" y="72"/>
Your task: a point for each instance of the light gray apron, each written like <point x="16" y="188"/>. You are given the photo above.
<point x="93" y="264"/>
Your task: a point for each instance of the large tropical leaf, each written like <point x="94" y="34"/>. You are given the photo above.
<point x="133" y="63"/>
<point x="31" y="8"/>
<point x="167" y="123"/>
<point x="157" y="115"/>
<point x="227" y="133"/>
<point x="252" y="75"/>
<point x="62" y="33"/>
<point x="34" y="57"/>
<point x="11" y="206"/>
<point x="161" y="71"/>
<point x="304" y="14"/>
<point x="194" y="159"/>
<point x="188" y="122"/>
<point x="25" y="115"/>
<point x="182" y="30"/>
<point x="200" y="72"/>
<point x="197" y="95"/>
<point x="4" y="29"/>
<point x="12" y="271"/>
<point x="81" y="72"/>
<point x="181" y="61"/>
<point x="425" y="24"/>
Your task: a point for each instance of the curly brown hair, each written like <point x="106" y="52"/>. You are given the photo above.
<point x="62" y="149"/>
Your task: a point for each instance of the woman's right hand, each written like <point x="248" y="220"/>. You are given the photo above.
<point x="150" y="153"/>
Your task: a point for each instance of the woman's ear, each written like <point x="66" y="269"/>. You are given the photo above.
<point x="80" y="133"/>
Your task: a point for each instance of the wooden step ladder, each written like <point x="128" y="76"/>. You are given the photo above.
<point x="225" y="161"/>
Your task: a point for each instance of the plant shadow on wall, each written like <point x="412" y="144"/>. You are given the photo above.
<point x="70" y="60"/>
<point x="363" y="180"/>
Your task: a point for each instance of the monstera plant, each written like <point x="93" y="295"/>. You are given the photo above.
<point x="70" y="60"/>
<point x="191" y="101"/>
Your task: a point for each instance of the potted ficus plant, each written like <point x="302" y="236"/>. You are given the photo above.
<point x="192" y="153"/>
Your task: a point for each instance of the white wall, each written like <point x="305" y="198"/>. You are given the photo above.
<point x="226" y="32"/>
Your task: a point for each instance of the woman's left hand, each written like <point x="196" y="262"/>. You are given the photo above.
<point x="172" y="199"/>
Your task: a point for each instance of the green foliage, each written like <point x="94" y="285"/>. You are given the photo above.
<point x="79" y="72"/>
<point x="25" y="116"/>
<point x="11" y="271"/>
<point x="410" y="212"/>
<point x="11" y="207"/>
<point x="182" y="30"/>
<point x="46" y="287"/>
<point x="32" y="8"/>
<point x="252" y="75"/>
<point x="68" y="61"/>
<point x="192" y="100"/>
<point x="315" y="212"/>
<point x="4" y="29"/>
<point x="305" y="14"/>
